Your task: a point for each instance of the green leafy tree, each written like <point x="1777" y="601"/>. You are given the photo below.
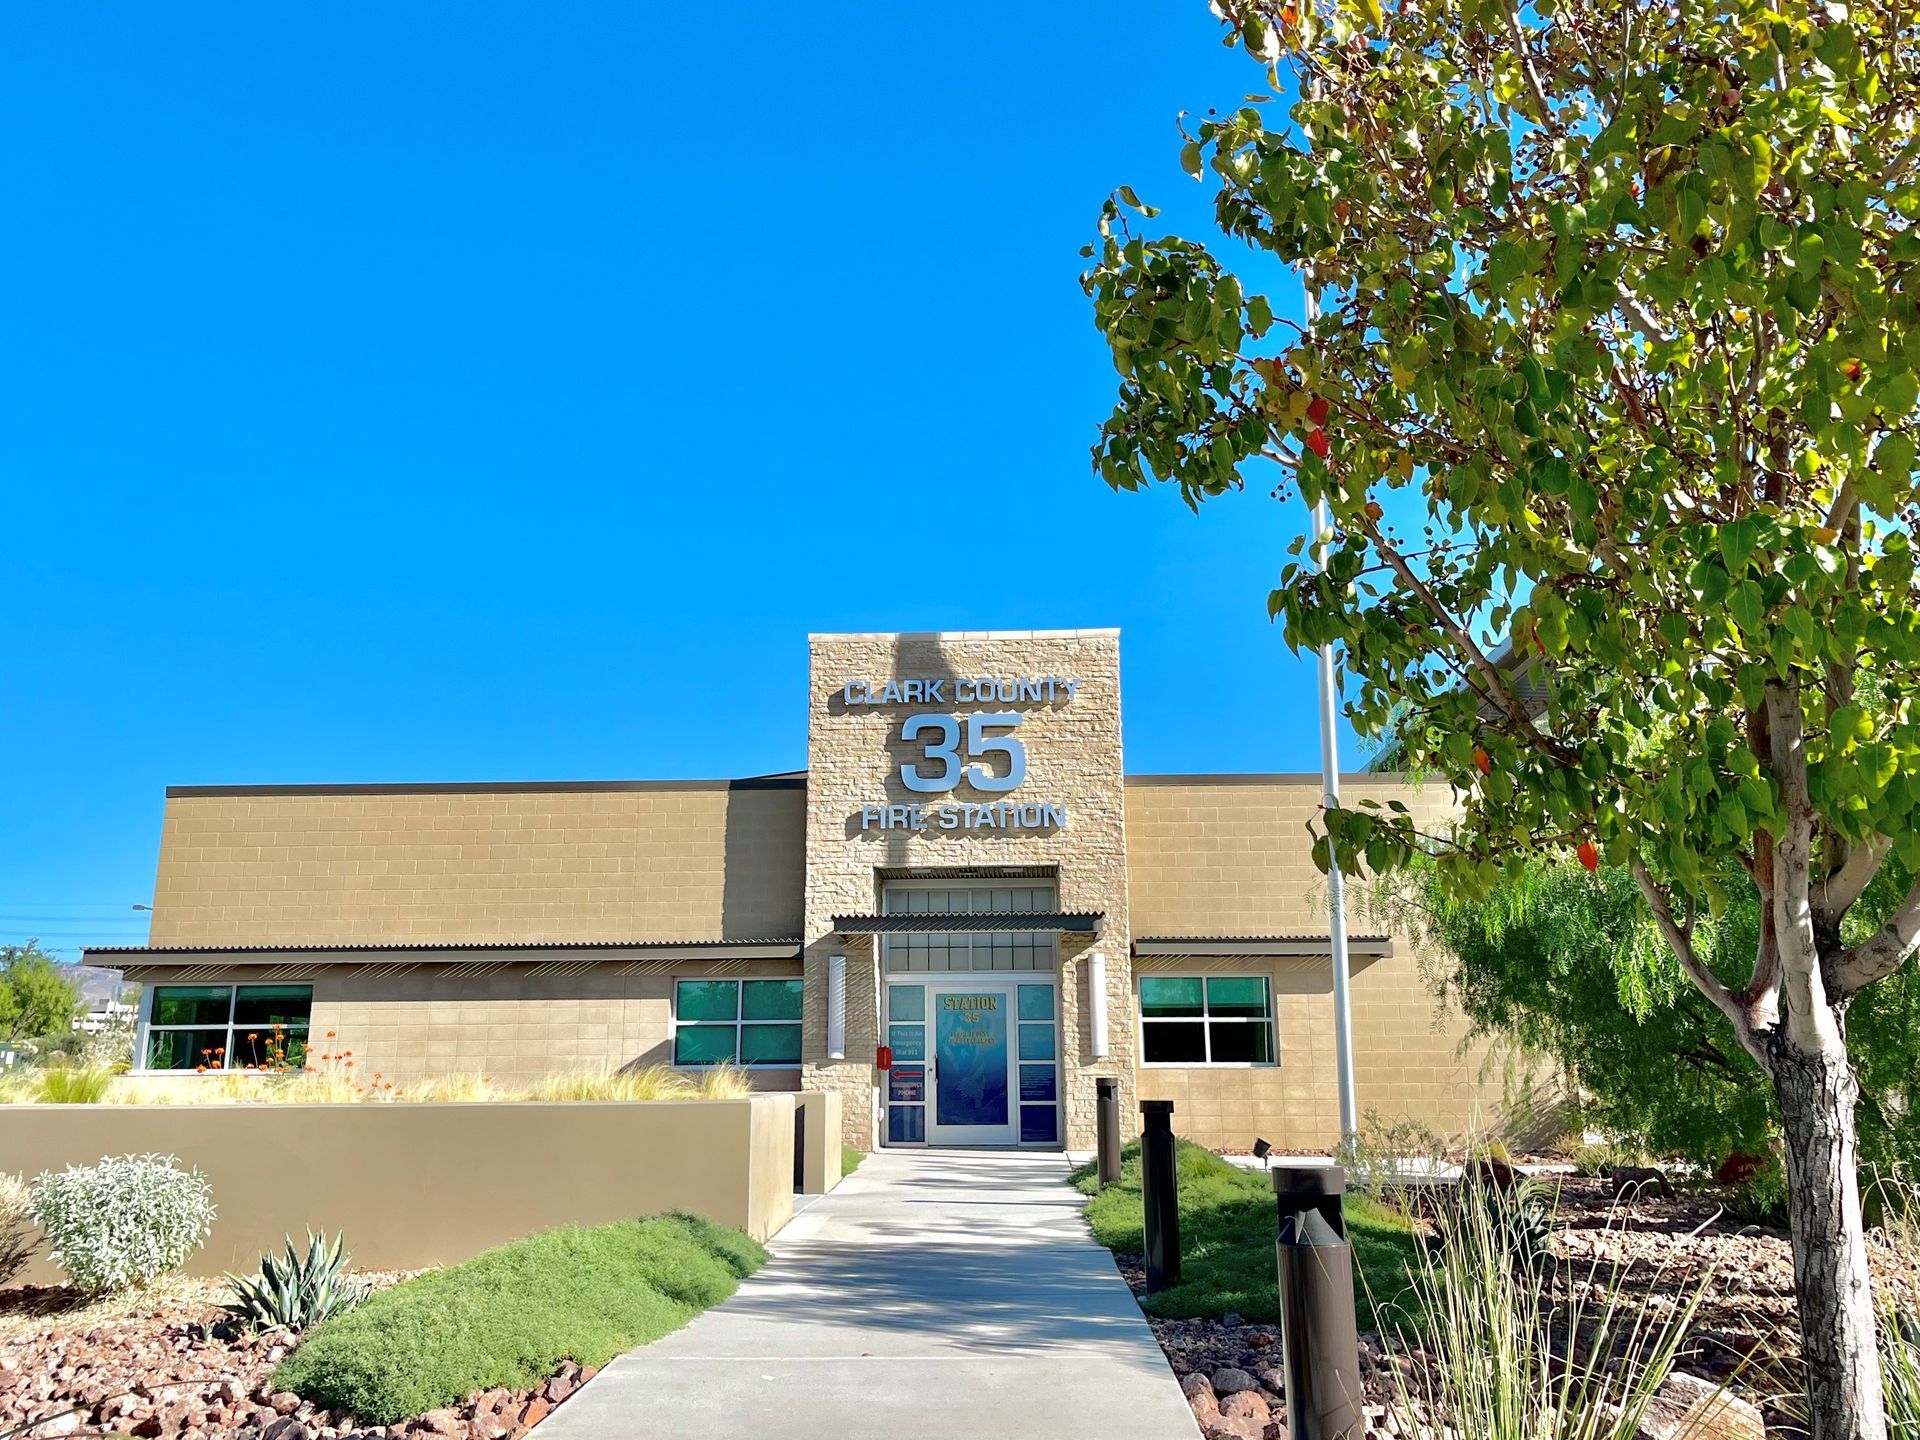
<point x="35" y="997"/>
<point x="1610" y="394"/>
<point x="1571" y="965"/>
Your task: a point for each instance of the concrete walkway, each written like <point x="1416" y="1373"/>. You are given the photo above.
<point x="935" y="1295"/>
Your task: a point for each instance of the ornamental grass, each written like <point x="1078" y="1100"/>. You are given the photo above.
<point x="1508" y="1342"/>
<point x="1897" y="1301"/>
<point x="650" y="1082"/>
<point x="57" y="1085"/>
<point x="339" y="1086"/>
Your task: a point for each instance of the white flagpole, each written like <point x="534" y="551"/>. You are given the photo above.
<point x="1330" y="796"/>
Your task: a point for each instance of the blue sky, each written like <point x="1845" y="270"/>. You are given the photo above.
<point x="451" y="392"/>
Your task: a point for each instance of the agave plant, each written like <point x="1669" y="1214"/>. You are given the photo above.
<point x="297" y="1292"/>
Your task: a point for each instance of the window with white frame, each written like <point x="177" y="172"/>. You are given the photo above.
<point x="737" y="1022"/>
<point x="227" y="1027"/>
<point x="1206" y="1020"/>
<point x="969" y="950"/>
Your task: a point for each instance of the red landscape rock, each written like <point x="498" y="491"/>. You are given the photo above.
<point x="169" y="1369"/>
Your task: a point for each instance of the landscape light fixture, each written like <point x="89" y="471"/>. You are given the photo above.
<point x="1262" y="1152"/>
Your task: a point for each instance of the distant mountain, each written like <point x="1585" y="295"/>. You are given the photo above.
<point x="97" y="984"/>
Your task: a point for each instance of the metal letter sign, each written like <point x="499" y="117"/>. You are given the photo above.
<point x="978" y="751"/>
<point x="942" y="750"/>
<point x="979" y="743"/>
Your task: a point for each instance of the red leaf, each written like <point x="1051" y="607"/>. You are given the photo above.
<point x="1317" y="443"/>
<point x="1589" y="856"/>
<point x="1317" y="412"/>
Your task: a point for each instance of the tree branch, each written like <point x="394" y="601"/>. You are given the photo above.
<point x="1836" y="892"/>
<point x="1502" y="693"/>
<point x="1886" y="950"/>
<point x="1704" y="980"/>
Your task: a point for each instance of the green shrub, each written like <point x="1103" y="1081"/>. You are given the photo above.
<point x="125" y="1221"/>
<point x="1759" y="1201"/>
<point x="508" y="1317"/>
<point x="850" y="1159"/>
<point x="298" y="1292"/>
<point x="1228" y="1225"/>
<point x="1572" y="965"/>
<point x="1387" y="1156"/>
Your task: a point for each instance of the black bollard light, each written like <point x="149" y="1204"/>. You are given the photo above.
<point x="1107" y="1126"/>
<point x="1319" y="1334"/>
<point x="1160" y="1190"/>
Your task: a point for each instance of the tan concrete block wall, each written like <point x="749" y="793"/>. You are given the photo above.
<point x="673" y="861"/>
<point x="513" y="1023"/>
<point x="402" y="1181"/>
<point x="1074" y="758"/>
<point x="1227" y="856"/>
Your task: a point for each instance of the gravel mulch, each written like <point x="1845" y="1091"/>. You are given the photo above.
<point x="1745" y="1333"/>
<point x="164" y="1364"/>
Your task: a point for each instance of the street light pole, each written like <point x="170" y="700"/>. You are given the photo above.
<point x="1336" y="887"/>
<point x="1330" y="798"/>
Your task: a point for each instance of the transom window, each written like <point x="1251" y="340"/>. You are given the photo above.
<point x="1000" y="950"/>
<point x="967" y="899"/>
<point x="1206" y="1020"/>
<point x="228" y="1027"/>
<point x="969" y="950"/>
<point x="737" y="1022"/>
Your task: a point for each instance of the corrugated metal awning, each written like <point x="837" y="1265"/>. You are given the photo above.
<point x="1258" y="947"/>
<point x="937" y="874"/>
<point x="1079" y="922"/>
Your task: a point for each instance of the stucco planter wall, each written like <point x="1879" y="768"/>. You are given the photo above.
<point x="413" y="1185"/>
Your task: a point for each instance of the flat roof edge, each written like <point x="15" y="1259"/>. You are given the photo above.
<point x="486" y="787"/>
<point x="1278" y="777"/>
<point x="779" y="947"/>
<point x="1111" y="633"/>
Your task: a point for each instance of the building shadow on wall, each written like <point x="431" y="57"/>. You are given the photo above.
<point x="764" y="859"/>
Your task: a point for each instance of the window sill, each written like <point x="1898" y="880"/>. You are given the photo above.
<point x="212" y="1074"/>
<point x="718" y="1064"/>
<point x="1210" y="1064"/>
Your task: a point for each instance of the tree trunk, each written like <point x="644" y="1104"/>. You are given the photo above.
<point x="1817" y="1091"/>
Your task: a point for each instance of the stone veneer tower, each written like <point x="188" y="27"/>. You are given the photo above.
<point x="855" y="755"/>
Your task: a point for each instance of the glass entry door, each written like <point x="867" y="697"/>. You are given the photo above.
<point x="972" y="1062"/>
<point x="975" y="1061"/>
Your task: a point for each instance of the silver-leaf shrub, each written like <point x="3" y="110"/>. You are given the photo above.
<point x="125" y="1221"/>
